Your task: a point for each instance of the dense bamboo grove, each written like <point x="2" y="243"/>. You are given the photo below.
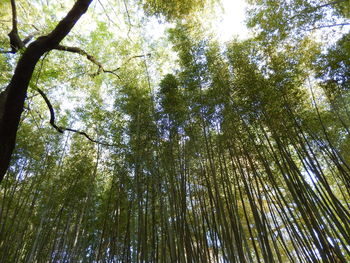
<point x="238" y="153"/>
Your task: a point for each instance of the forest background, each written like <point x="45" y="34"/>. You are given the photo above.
<point x="137" y="146"/>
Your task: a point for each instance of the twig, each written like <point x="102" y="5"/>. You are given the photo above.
<point x="106" y="13"/>
<point x="129" y="20"/>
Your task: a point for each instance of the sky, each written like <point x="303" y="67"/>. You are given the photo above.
<point x="228" y="25"/>
<point x="232" y="22"/>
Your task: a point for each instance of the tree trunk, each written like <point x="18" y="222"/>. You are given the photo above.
<point x="12" y="99"/>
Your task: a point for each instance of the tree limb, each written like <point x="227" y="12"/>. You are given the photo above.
<point x="52" y="112"/>
<point x="6" y="51"/>
<point x="15" y="41"/>
<point x="91" y="58"/>
<point x="330" y="3"/>
<point x="63" y="129"/>
<point x="12" y="99"/>
<point x="137" y="56"/>
<point x="80" y="52"/>
<point x="328" y="26"/>
<point x="314" y="8"/>
<point x="14" y="15"/>
<point x="129" y="20"/>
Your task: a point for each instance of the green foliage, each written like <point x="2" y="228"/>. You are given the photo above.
<point x="275" y="21"/>
<point x="175" y="9"/>
<point x="335" y="65"/>
<point x="238" y="153"/>
<point x="172" y="99"/>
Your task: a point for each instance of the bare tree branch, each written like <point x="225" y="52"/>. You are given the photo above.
<point x="330" y="3"/>
<point x="81" y="52"/>
<point x="63" y="129"/>
<point x="137" y="56"/>
<point x="106" y="13"/>
<point x="6" y="52"/>
<point x="328" y="26"/>
<point x="310" y="9"/>
<point x="52" y="112"/>
<point x="129" y="20"/>
<point x="14" y="15"/>
<point x="13" y="97"/>
<point x="15" y="41"/>
<point x="91" y="58"/>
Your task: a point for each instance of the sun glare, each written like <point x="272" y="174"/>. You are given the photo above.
<point x="231" y="23"/>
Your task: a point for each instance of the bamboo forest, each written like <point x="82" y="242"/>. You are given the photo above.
<point x="130" y="131"/>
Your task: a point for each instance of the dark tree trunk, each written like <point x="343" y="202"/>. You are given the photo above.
<point x="12" y="99"/>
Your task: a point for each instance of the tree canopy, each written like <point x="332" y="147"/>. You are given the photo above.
<point x="130" y="133"/>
